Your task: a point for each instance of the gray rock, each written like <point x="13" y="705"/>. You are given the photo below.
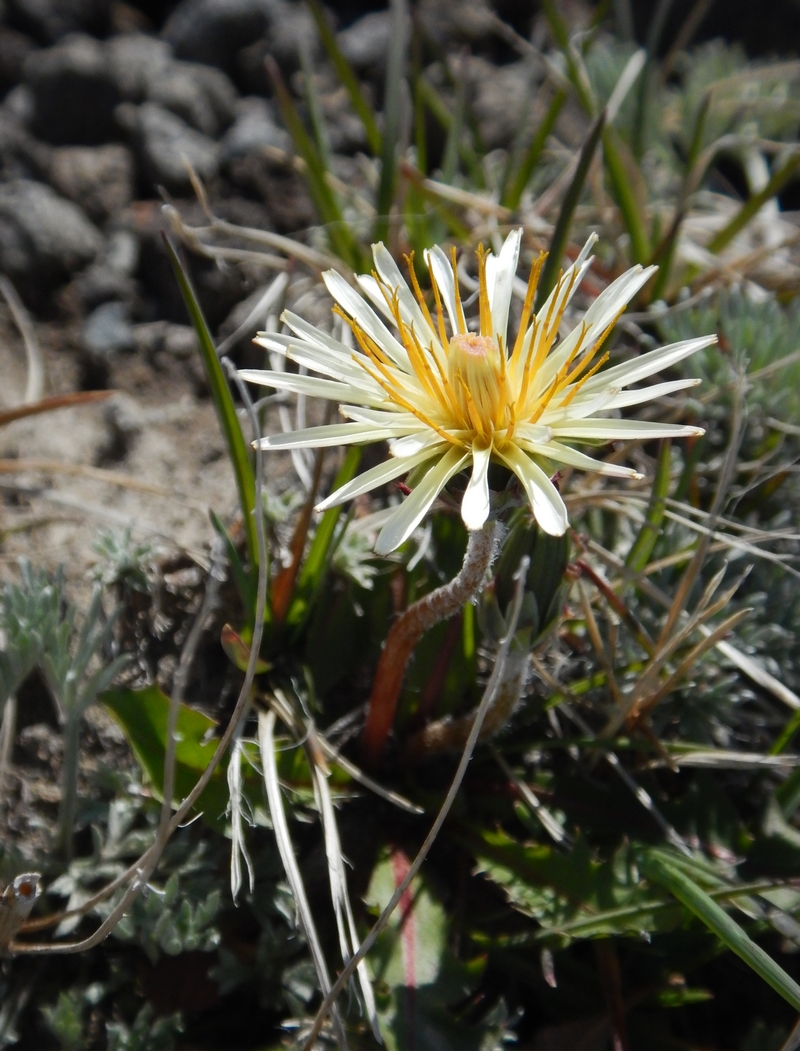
<point x="98" y="178"/>
<point x="74" y="93"/>
<point x="110" y="277"/>
<point x="255" y="126"/>
<point x="156" y="337"/>
<point x="135" y="61"/>
<point x="14" y="49"/>
<point x="293" y="30"/>
<point x="366" y="42"/>
<point x="502" y="96"/>
<point x="162" y="143"/>
<point x="107" y="331"/>
<point x="49" y="20"/>
<point x="20" y="104"/>
<point x="43" y="238"/>
<point x="201" y="95"/>
<point x="212" y="31"/>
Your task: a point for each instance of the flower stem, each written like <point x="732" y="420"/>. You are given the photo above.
<point x="409" y="628"/>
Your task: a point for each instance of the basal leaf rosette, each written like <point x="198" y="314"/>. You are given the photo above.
<point x="447" y="394"/>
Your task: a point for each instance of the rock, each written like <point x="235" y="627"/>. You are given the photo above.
<point x="365" y="43"/>
<point x="161" y="142"/>
<point x="502" y="95"/>
<point x="14" y="49"/>
<point x="212" y="31"/>
<point x="49" y="20"/>
<point x="110" y="277"/>
<point x="202" y="96"/>
<point x="107" y="331"/>
<point x="255" y="127"/>
<point x="156" y="337"/>
<point x="43" y="238"/>
<point x="20" y="104"/>
<point x="293" y="31"/>
<point x="98" y="178"/>
<point x="135" y="61"/>
<point x="74" y="93"/>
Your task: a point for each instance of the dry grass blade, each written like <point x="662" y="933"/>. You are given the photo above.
<point x="266" y="742"/>
<point x="34" y="387"/>
<point x="486" y="702"/>
<point x="238" y="844"/>
<point x="343" y="910"/>
<point x="555" y="830"/>
<point x="58" y="401"/>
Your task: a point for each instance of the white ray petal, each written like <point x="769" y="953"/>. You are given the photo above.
<point x="414" y="508"/>
<point x="624" y="399"/>
<point x="376" y="476"/>
<point x="411" y="444"/>
<point x="503" y="285"/>
<point x="573" y="458"/>
<point x="442" y="271"/>
<point x="475" y="503"/>
<point x="327" y="435"/>
<point x="314" y="355"/>
<point x="410" y="310"/>
<point x="624" y="430"/>
<point x="549" y="509"/>
<point x="579" y="410"/>
<point x="358" y="309"/>
<point x="382" y="417"/>
<point x="372" y="290"/>
<point x="317" y="388"/>
<point x="645" y="365"/>
<point x="533" y="432"/>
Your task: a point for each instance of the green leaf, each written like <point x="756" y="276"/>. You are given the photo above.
<point x="751" y="207"/>
<point x="392" y="112"/>
<point x="560" y="237"/>
<point x="620" y="168"/>
<point x="223" y="403"/>
<point x="347" y="76"/>
<point x="244" y="585"/>
<point x="142" y="714"/>
<point x="513" y="193"/>
<point x="661" y="870"/>
<point x="643" y="545"/>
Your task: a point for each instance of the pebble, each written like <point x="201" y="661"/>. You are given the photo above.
<point x="365" y="43"/>
<point x="161" y="141"/>
<point x="135" y="61"/>
<point x="201" y="95"/>
<point x="43" y="238"/>
<point x="73" y="91"/>
<point x="98" y="178"/>
<point x="111" y="276"/>
<point x="14" y="49"/>
<point x="107" y="331"/>
<point x="50" y="20"/>
<point x="255" y="126"/>
<point x="212" y="31"/>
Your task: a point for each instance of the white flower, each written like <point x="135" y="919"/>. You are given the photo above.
<point x="446" y="397"/>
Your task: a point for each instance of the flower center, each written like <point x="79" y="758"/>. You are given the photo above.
<point x="477" y="377"/>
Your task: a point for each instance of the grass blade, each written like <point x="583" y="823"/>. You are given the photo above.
<point x="751" y="207"/>
<point x="347" y="76"/>
<point x="661" y="871"/>
<point x="392" y="114"/>
<point x="561" y="233"/>
<point x="642" y="549"/>
<point x="619" y="172"/>
<point x="241" y="579"/>
<point x="223" y="403"/>
<point x="513" y="193"/>
<point x="266" y="741"/>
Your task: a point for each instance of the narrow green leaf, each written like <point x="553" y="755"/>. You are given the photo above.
<point x="347" y="76"/>
<point x="241" y="578"/>
<point x="513" y="193"/>
<point x="341" y="240"/>
<point x="392" y="110"/>
<point x="320" y="550"/>
<point x="784" y="738"/>
<point x="454" y="133"/>
<point x="619" y="174"/>
<point x="561" y="233"/>
<point x="643" y="545"/>
<point x="661" y="871"/>
<point x="755" y="203"/>
<point x="445" y="118"/>
<point x="223" y="403"/>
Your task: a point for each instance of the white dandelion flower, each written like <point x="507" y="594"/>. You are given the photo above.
<point x="447" y="398"/>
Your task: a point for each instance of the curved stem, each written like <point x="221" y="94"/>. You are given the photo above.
<point x="409" y="628"/>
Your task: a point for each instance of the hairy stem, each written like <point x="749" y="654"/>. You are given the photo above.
<point x="409" y="628"/>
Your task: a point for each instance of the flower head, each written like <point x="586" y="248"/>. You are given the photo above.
<point x="447" y="394"/>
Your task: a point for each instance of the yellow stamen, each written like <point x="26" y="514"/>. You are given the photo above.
<point x="483" y="295"/>
<point x="460" y="319"/>
<point x="527" y="309"/>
